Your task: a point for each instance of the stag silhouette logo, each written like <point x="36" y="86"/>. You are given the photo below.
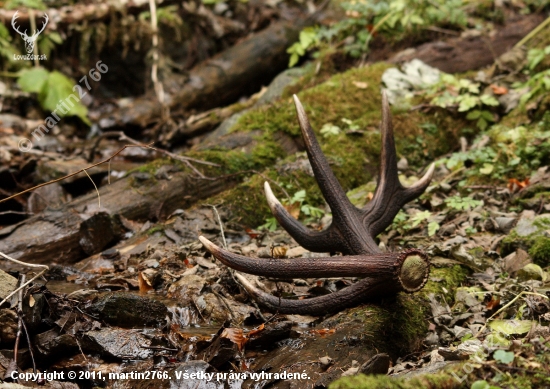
<point x="29" y="40"/>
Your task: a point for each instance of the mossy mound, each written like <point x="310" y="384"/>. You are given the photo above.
<point x="441" y="380"/>
<point x="530" y="234"/>
<point x="353" y="154"/>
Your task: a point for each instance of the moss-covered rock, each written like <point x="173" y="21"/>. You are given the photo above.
<point x="530" y="234"/>
<point x="353" y="155"/>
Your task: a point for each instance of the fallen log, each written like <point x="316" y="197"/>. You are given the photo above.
<point x="461" y="54"/>
<point x="239" y="70"/>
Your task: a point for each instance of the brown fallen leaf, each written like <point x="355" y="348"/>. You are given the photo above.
<point x="499" y="90"/>
<point x="256" y="331"/>
<point x="236" y="336"/>
<point x="144" y="284"/>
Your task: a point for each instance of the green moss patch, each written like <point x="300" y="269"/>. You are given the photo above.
<point x="353" y="155"/>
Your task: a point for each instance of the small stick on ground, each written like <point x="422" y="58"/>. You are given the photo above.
<point x="44" y="267"/>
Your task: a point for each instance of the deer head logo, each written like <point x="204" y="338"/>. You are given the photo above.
<point x="29" y="40"/>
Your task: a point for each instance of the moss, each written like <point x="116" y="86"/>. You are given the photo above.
<point x="536" y="243"/>
<point x="540" y="251"/>
<point x="154" y="229"/>
<point x="441" y="380"/>
<point x="399" y="323"/>
<point x="353" y="157"/>
<point x="447" y="278"/>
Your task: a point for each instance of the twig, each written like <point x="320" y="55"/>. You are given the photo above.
<point x="443" y="30"/>
<point x="538" y="29"/>
<point x="19" y="325"/>
<point x="159" y="88"/>
<point x="45" y="269"/>
<point x="231" y="271"/>
<point x="505" y="307"/>
<point x="123" y="137"/>
<point x="95" y="186"/>
<point x="28" y="341"/>
<point x="67" y="176"/>
<point x="221" y="226"/>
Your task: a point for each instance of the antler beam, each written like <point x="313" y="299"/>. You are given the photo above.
<point x="353" y="232"/>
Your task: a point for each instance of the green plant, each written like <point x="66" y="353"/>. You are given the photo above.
<point x="53" y="89"/>
<point x="462" y="203"/>
<point x="403" y="223"/>
<point x="464" y="94"/>
<point x="393" y="18"/>
<point x="506" y="153"/>
<point x="295" y="205"/>
<point x="308" y="38"/>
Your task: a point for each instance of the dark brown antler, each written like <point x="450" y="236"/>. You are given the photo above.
<point x="353" y="232"/>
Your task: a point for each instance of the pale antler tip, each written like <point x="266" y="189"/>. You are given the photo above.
<point x="425" y="180"/>
<point x="207" y="244"/>
<point x="272" y="201"/>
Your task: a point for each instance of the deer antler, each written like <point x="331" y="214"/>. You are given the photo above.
<point x="353" y="231"/>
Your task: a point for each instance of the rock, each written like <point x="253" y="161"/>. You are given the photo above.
<point x="8" y="329"/>
<point x="129" y="310"/>
<point x="296" y="252"/>
<point x="379" y="364"/>
<point x="7" y="284"/>
<point x="402" y="164"/>
<point x="516" y="260"/>
<point x="326" y="361"/>
<point x="271" y="334"/>
<point x="532" y="234"/>
<point x="32" y="311"/>
<point x="118" y="343"/>
<point x="532" y="271"/>
<point x="505" y="224"/>
<point x="187" y="289"/>
<point x="526" y="224"/>
<point x="52" y="343"/>
<point x="98" y="231"/>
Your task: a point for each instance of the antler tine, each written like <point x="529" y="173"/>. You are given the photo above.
<point x="321" y="305"/>
<point x="320" y="241"/>
<point x="390" y="195"/>
<point x="409" y="273"/>
<point x="329" y="185"/>
<point x="379" y="265"/>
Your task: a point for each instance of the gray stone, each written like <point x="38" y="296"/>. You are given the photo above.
<point x="505" y="224"/>
<point x="7" y="284"/>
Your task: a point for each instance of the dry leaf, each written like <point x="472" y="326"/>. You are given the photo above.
<point x="278" y="252"/>
<point x="252" y="233"/>
<point x="324" y="331"/>
<point x="514" y="184"/>
<point x="236" y="336"/>
<point x="144" y="284"/>
<point x="293" y="209"/>
<point x="256" y="331"/>
<point x="493" y="303"/>
<point x="31" y="301"/>
<point x="499" y="90"/>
